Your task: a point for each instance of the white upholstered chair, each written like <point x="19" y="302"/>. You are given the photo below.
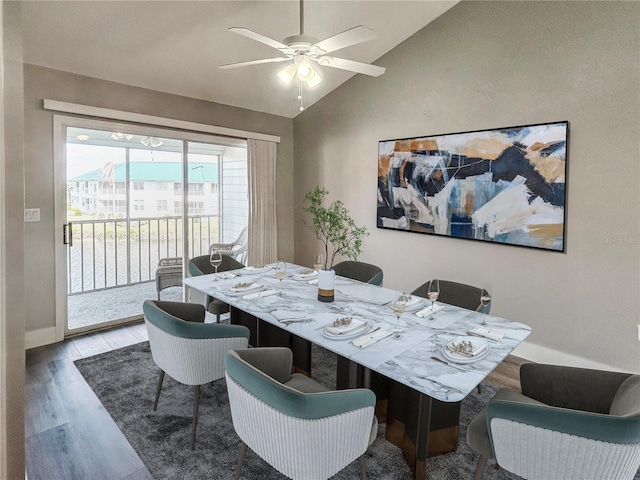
<point x="568" y="423"/>
<point x="187" y="349"/>
<point x="299" y="427"/>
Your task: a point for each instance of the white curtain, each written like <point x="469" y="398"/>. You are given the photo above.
<point x="263" y="231"/>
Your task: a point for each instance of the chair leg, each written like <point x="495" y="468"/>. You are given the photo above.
<point x="243" y="452"/>
<point x="482" y="462"/>
<point x="160" y="380"/>
<point x="479" y="389"/>
<point x="363" y="468"/>
<point x="196" y="403"/>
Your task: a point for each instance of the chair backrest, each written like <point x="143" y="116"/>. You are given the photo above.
<point x="236" y="249"/>
<point x="201" y="265"/>
<point x="186" y="348"/>
<point x="318" y="434"/>
<point x="597" y="445"/>
<point x="458" y="294"/>
<point x="363" y="272"/>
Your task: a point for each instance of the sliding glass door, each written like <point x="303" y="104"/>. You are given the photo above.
<point x="136" y="200"/>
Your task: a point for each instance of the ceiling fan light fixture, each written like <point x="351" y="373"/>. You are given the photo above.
<point x="315" y="80"/>
<point x="305" y="71"/>
<point x="287" y="74"/>
<point x="151" y="142"/>
<point x="83" y="137"/>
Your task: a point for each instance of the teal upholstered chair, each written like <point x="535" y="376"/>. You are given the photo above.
<point x="568" y="423"/>
<point x="458" y="294"/>
<point x="202" y="266"/>
<point x="299" y="427"/>
<point x="363" y="272"/>
<point x="187" y="349"/>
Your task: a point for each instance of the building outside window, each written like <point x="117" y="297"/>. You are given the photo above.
<point x="138" y="185"/>
<point x="138" y="205"/>
<point x="196" y="189"/>
<point x="162" y="205"/>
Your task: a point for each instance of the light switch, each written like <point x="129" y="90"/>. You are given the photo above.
<point x="31" y="214"/>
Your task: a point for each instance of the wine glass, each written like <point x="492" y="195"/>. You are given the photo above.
<point x="215" y="259"/>
<point x="318" y="262"/>
<point x="485" y="299"/>
<point x="399" y="305"/>
<point x="433" y="293"/>
<point x="281" y="270"/>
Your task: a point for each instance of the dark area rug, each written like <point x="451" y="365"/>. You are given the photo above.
<point x="125" y="380"/>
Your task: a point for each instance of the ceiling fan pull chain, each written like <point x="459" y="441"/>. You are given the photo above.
<point x="300" y="94"/>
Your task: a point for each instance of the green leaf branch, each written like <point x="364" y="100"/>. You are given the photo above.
<point x="334" y="227"/>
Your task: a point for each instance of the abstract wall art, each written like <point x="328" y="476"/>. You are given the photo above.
<point x="505" y="185"/>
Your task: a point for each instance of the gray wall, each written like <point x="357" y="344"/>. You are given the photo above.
<point x="12" y="292"/>
<point x="495" y="64"/>
<point x="41" y="83"/>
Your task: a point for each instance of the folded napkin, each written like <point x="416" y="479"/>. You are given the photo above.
<point x="313" y="282"/>
<point x="371" y="338"/>
<point x="344" y="329"/>
<point x="264" y="293"/>
<point x="476" y="349"/>
<point x="226" y="275"/>
<point x="426" y="312"/>
<point x="487" y="333"/>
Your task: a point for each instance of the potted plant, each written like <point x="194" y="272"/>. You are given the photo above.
<point x="337" y="231"/>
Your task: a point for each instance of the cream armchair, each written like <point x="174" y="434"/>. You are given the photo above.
<point x="319" y="431"/>
<point x="568" y="423"/>
<point x="186" y="348"/>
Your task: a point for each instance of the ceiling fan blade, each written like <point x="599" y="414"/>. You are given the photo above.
<point x="347" y="38"/>
<point x="258" y="37"/>
<point x="255" y="62"/>
<point x="352" y="66"/>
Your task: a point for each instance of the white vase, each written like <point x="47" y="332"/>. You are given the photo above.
<point x="326" y="285"/>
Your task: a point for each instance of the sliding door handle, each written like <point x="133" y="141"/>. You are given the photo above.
<point x="67" y="234"/>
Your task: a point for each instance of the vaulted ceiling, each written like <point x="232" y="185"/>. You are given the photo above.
<point x="177" y="46"/>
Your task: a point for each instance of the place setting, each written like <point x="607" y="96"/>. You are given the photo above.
<point x="249" y="290"/>
<point x="412" y="303"/>
<point x="466" y="349"/>
<point x="305" y="275"/>
<point x="345" y="328"/>
<point x="255" y="269"/>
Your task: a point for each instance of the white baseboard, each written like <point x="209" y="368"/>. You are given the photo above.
<point x="540" y="354"/>
<point x="38" y="338"/>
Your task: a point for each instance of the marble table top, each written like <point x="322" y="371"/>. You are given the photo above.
<point x="407" y="359"/>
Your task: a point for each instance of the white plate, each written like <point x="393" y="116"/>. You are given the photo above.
<point x="302" y="278"/>
<point x="457" y="358"/>
<point x="256" y="287"/>
<point x="346" y="336"/>
<point x="414" y="305"/>
<point x="254" y="270"/>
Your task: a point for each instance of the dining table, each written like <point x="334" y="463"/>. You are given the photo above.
<point x="420" y="365"/>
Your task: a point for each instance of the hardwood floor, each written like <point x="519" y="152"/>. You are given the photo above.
<point x="69" y="435"/>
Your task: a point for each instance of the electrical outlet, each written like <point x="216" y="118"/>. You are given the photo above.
<point x="31" y="214"/>
<point x="639" y="332"/>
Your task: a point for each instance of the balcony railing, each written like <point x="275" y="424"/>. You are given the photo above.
<point x="118" y="252"/>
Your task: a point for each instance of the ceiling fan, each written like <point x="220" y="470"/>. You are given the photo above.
<point x="302" y="49"/>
